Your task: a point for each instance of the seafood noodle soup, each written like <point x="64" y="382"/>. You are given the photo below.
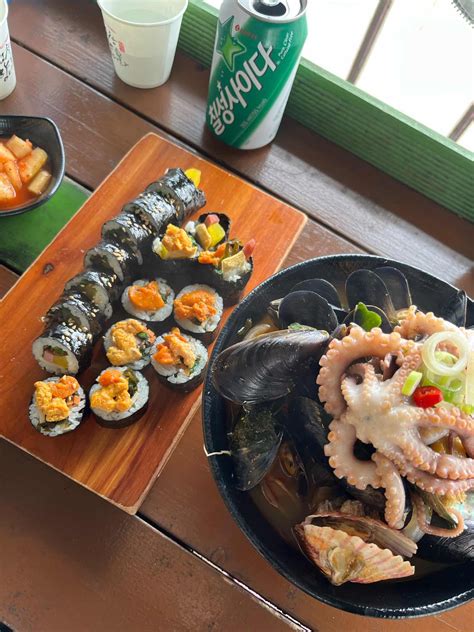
<point x="351" y="427"/>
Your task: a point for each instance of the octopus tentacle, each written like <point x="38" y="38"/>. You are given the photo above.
<point x="421" y="518"/>
<point x="391" y="480"/>
<point x="430" y="435"/>
<point x="341" y="353"/>
<point x="358" y="473"/>
<point x="430" y="483"/>
<point x="416" y="323"/>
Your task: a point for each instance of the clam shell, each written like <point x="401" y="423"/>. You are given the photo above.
<point x="345" y="558"/>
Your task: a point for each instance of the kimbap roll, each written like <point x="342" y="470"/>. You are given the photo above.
<point x="57" y="405"/>
<point x="209" y="230"/>
<point x="113" y="258"/>
<point x="179" y="360"/>
<point x="129" y="343"/>
<point x="76" y="308"/>
<point x="198" y="310"/>
<point x="154" y="210"/>
<point x="127" y="230"/>
<point x="63" y="348"/>
<point x="148" y="300"/>
<point x="181" y="189"/>
<point x="101" y="288"/>
<point x="176" y="252"/>
<point x="120" y="397"/>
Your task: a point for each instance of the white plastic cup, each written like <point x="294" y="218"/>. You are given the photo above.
<point x="142" y="36"/>
<point x="7" y="69"/>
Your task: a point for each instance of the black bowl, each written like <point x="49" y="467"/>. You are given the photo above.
<point x="443" y="589"/>
<point x="43" y="133"/>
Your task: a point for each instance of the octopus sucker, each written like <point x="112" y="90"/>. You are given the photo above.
<point x="417" y="323"/>
<point x="391" y="480"/>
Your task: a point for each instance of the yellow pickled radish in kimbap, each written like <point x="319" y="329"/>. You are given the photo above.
<point x="179" y="360"/>
<point x="175" y="244"/>
<point x="194" y="175"/>
<point x="129" y="342"/>
<point x="119" y="398"/>
<point x="57" y="405"/>
<point x="149" y="300"/>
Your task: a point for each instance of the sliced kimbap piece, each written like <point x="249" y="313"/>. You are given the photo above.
<point x="129" y="343"/>
<point x="154" y="210"/>
<point x="176" y="253"/>
<point x="127" y="229"/>
<point x="75" y="307"/>
<point x="179" y="360"/>
<point x="101" y="288"/>
<point x="228" y="268"/>
<point x="57" y="405"/>
<point x="209" y="230"/>
<point x="181" y="190"/>
<point x="63" y="348"/>
<point x="148" y="300"/>
<point x="198" y="310"/>
<point x="113" y="258"/>
<point x="120" y="397"/>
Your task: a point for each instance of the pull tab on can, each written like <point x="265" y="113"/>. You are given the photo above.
<point x="274" y="10"/>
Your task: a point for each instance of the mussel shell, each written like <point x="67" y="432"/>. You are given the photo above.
<point x="254" y="444"/>
<point x="397" y="286"/>
<point x="321" y="287"/>
<point x="307" y="308"/>
<point x="367" y="287"/>
<point x="456" y="309"/>
<point x="268" y="367"/>
<point x="353" y="317"/>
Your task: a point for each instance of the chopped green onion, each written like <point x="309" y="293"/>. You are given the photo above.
<point x="142" y="335"/>
<point x="446" y="358"/>
<point x="366" y="318"/>
<point x="411" y="383"/>
<point x="469" y="387"/>
<point x="468" y="409"/>
<point x="438" y="367"/>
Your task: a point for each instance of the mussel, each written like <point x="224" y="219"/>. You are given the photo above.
<point x="307" y="308"/>
<point x="268" y="367"/>
<point x="365" y="286"/>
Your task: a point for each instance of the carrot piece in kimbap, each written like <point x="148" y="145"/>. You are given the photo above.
<point x="57" y="406"/>
<point x="129" y="342"/>
<point x="119" y="398"/>
<point x="198" y="309"/>
<point x="149" y="300"/>
<point x="179" y="360"/>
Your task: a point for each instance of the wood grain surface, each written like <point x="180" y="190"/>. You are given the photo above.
<point x="70" y="562"/>
<point x="120" y="465"/>
<point x="348" y="195"/>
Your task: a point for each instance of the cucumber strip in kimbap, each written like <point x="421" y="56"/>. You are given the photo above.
<point x="198" y="310"/>
<point x="111" y="257"/>
<point x="127" y="230"/>
<point x="181" y="189"/>
<point x="209" y="230"/>
<point x="179" y="360"/>
<point x="129" y="343"/>
<point x="63" y="348"/>
<point x="57" y="405"/>
<point x="119" y="398"/>
<point x="101" y="288"/>
<point x="76" y="308"/>
<point x="154" y="209"/>
<point x="148" y="300"/>
<point x="228" y="268"/>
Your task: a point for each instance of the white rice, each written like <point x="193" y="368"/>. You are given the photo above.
<point x="178" y="375"/>
<point x="138" y="400"/>
<point x="50" y="429"/>
<point x="158" y="315"/>
<point x="45" y="341"/>
<point x="210" y="323"/>
<point x="138" y="364"/>
<point x="236" y="275"/>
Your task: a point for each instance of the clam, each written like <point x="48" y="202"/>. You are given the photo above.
<point x="268" y="367"/>
<point x="357" y="549"/>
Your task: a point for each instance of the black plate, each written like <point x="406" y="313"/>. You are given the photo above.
<point x="43" y="133"/>
<point x="438" y="591"/>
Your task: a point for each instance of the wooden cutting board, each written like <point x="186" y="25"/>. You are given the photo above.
<point x="121" y="465"/>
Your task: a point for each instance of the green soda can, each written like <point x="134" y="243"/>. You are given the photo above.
<point x="256" y="54"/>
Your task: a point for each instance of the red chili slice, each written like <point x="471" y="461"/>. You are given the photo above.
<point x="249" y="248"/>
<point x="427" y="396"/>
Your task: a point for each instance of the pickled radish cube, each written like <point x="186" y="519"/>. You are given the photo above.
<point x="211" y="219"/>
<point x="30" y="165"/>
<point x="7" y="190"/>
<point x="39" y="183"/>
<point x="11" y="169"/>
<point x="249" y="248"/>
<point x="217" y="234"/>
<point x="5" y="153"/>
<point x="19" y="147"/>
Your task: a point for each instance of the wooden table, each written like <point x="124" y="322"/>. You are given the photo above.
<point x="69" y="560"/>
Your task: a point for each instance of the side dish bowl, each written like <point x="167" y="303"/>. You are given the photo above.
<point x="440" y="589"/>
<point x="44" y="133"/>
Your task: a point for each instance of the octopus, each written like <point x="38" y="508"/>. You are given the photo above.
<point x="367" y="404"/>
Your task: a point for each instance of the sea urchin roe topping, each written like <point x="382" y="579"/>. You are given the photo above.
<point x="113" y="396"/>
<point x="54" y="399"/>
<point x="126" y="336"/>
<point x="175" y="350"/>
<point x="146" y="297"/>
<point x="212" y="256"/>
<point x="198" y="305"/>
<point x="177" y="243"/>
